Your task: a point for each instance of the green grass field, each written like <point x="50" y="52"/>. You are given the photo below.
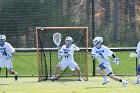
<point x="25" y="64"/>
<point x="94" y="85"/>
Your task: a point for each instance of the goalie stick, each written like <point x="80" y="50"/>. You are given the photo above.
<point x="61" y="73"/>
<point x="57" y="40"/>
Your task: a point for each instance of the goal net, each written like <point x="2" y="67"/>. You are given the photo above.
<point x="47" y="51"/>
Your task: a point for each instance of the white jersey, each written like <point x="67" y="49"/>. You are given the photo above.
<point x="138" y="51"/>
<point x="7" y="49"/>
<point x="102" y="54"/>
<point x="6" y="55"/>
<point x="138" y="48"/>
<point x="69" y="51"/>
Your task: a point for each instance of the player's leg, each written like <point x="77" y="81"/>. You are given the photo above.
<point x="109" y="71"/>
<point x="9" y="66"/>
<point x="79" y="73"/>
<point x="124" y="82"/>
<point x="137" y="81"/>
<point x="54" y="77"/>
<point x="0" y="70"/>
<point x="13" y="72"/>
<point x="1" y="65"/>
<point x="74" y="66"/>
<point x="61" y="65"/>
<point x="100" y="69"/>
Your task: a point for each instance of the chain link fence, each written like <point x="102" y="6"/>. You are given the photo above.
<point x="118" y="21"/>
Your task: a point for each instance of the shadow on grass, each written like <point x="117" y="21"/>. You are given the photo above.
<point x="66" y="80"/>
<point x="3" y="84"/>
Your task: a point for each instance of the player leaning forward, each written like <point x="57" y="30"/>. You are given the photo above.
<point x="6" y="52"/>
<point x="66" y="53"/>
<point x="102" y="53"/>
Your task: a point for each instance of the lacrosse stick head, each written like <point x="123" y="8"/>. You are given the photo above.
<point x="133" y="54"/>
<point x="57" y="39"/>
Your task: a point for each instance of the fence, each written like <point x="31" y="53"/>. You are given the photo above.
<point x="118" y="21"/>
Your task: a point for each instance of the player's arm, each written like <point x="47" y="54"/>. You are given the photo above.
<point x="60" y="54"/>
<point x="93" y="55"/>
<point x="116" y="59"/>
<point x="75" y="47"/>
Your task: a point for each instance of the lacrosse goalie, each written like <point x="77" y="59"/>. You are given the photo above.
<point x="6" y="52"/>
<point x="102" y="53"/>
<point x="66" y="53"/>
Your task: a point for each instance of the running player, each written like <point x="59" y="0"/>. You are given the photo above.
<point x="6" y="52"/>
<point x="102" y="53"/>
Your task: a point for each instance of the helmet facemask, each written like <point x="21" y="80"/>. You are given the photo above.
<point x="68" y="42"/>
<point x="97" y="41"/>
<point x="2" y="40"/>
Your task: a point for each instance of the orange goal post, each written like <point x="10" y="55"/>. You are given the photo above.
<point x="47" y="51"/>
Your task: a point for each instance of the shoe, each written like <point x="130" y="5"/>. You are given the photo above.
<point x="53" y="78"/>
<point x="80" y="79"/>
<point x="136" y="81"/>
<point x="16" y="77"/>
<point x="124" y="83"/>
<point x="105" y="82"/>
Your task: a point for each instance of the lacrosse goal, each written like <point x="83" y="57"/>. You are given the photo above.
<point x="47" y="51"/>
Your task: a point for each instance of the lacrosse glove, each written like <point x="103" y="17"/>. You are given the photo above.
<point x="116" y="61"/>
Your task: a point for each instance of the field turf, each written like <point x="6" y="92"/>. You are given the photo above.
<point x="94" y="85"/>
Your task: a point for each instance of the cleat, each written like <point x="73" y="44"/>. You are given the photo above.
<point x="105" y="82"/>
<point x="80" y="79"/>
<point x="16" y="77"/>
<point x="137" y="82"/>
<point x="124" y="83"/>
<point x="52" y="78"/>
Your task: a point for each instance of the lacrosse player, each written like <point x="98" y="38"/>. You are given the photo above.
<point x="6" y="52"/>
<point x="137" y="81"/>
<point x="66" y="53"/>
<point x="102" y="53"/>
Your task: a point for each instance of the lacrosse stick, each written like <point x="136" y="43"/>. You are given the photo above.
<point x="133" y="54"/>
<point x="61" y="73"/>
<point x="57" y="39"/>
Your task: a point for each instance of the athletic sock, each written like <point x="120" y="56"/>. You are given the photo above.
<point x="105" y="78"/>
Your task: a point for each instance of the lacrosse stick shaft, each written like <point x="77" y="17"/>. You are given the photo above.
<point x="62" y="73"/>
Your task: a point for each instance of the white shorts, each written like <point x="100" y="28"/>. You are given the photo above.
<point x="6" y="63"/>
<point x="63" y="65"/>
<point x="106" y="67"/>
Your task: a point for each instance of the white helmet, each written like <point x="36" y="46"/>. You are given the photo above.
<point x="97" y="40"/>
<point x="2" y="40"/>
<point x="68" y="41"/>
<point x="3" y="37"/>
